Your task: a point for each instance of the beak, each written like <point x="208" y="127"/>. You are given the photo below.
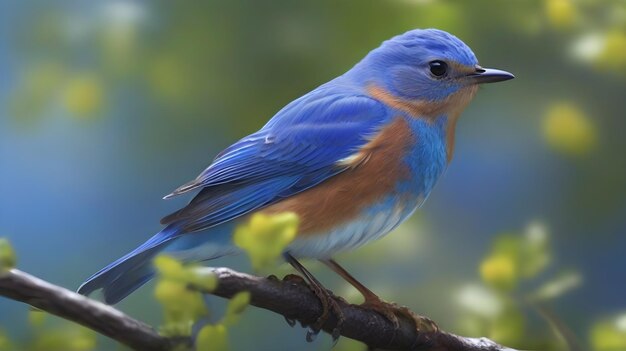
<point x="489" y="75"/>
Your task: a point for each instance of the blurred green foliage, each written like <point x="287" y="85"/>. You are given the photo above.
<point x="568" y="130"/>
<point x="265" y="238"/>
<point x="58" y="335"/>
<point x="7" y="255"/>
<point x="513" y="276"/>
<point x="5" y="343"/>
<point x="182" y="306"/>
<point x="214" y="337"/>
<point x="49" y="333"/>
<point x="609" y="335"/>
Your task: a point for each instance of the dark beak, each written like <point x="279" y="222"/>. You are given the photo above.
<point x="489" y="75"/>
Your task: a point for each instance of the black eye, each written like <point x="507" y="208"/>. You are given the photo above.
<point x="438" y="68"/>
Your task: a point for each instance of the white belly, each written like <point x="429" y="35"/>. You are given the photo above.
<point x="374" y="223"/>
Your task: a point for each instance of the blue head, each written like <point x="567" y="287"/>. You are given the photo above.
<point x="426" y="65"/>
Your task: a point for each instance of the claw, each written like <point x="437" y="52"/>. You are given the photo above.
<point x="422" y="323"/>
<point x="327" y="299"/>
<point x="329" y="304"/>
<point x="335" y="335"/>
<point x="392" y="310"/>
<point x="290" y="321"/>
<point x="311" y="334"/>
<point x="293" y="278"/>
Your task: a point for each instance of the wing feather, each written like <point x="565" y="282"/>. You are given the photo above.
<point x="299" y="148"/>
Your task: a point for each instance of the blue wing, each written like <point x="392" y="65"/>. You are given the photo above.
<point x="299" y="148"/>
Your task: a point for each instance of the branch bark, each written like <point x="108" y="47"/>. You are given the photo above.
<point x="290" y="298"/>
<point x="104" y="319"/>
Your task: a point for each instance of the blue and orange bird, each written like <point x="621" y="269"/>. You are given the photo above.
<point x="353" y="159"/>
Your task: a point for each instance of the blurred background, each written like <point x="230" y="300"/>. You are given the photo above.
<point x="106" y="106"/>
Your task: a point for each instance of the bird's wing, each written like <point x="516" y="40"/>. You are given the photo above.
<point x="303" y="145"/>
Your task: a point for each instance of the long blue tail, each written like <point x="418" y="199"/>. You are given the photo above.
<point x="133" y="270"/>
<point x="128" y="273"/>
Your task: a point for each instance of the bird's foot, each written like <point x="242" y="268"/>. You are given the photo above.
<point x="391" y="311"/>
<point x="329" y="305"/>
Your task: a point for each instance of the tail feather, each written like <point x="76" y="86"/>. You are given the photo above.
<point x="127" y="283"/>
<point x="129" y="272"/>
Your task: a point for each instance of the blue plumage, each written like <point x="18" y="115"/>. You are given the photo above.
<point x="293" y="152"/>
<point x="320" y="145"/>
<point x="129" y="272"/>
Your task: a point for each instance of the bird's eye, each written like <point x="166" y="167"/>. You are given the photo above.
<point x="438" y="68"/>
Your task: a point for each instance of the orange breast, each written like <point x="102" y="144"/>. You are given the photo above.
<point x="451" y="107"/>
<point x="376" y="170"/>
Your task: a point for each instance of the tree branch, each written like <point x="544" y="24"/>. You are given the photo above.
<point x="104" y="319"/>
<point x="291" y="298"/>
<point x="294" y="300"/>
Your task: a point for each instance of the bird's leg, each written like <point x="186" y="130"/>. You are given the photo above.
<point x="326" y="298"/>
<point x="373" y="302"/>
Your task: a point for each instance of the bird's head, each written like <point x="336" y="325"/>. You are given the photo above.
<point x="425" y="65"/>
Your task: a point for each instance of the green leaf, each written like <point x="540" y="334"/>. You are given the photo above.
<point x="500" y="271"/>
<point x="535" y="255"/>
<point x="5" y="343"/>
<point x="61" y="335"/>
<point x="609" y="335"/>
<point x="264" y="237"/>
<point x="558" y="286"/>
<point x="235" y="308"/>
<point x="7" y="255"/>
<point x="213" y="338"/>
<point x="182" y="306"/>
<point x="36" y="318"/>
<point x="508" y="327"/>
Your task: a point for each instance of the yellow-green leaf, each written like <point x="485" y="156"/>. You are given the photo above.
<point x="508" y="327"/>
<point x="265" y="237"/>
<point x="500" y="271"/>
<point x="535" y="256"/>
<point x="558" y="286"/>
<point x="568" y="130"/>
<point x="236" y="306"/>
<point x="7" y="255"/>
<point x="182" y="306"/>
<point x="609" y="335"/>
<point x="213" y="338"/>
<point x="36" y="318"/>
<point x="5" y="342"/>
<point x="561" y="13"/>
<point x="84" y="95"/>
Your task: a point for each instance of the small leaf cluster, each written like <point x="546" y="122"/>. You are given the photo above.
<point x="214" y="337"/>
<point x="48" y="333"/>
<point x="182" y="306"/>
<point x="7" y="255"/>
<point x="265" y="237"/>
<point x="514" y="275"/>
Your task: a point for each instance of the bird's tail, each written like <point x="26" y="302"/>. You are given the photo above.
<point x="128" y="273"/>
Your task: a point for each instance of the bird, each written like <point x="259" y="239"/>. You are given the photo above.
<point x="353" y="159"/>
